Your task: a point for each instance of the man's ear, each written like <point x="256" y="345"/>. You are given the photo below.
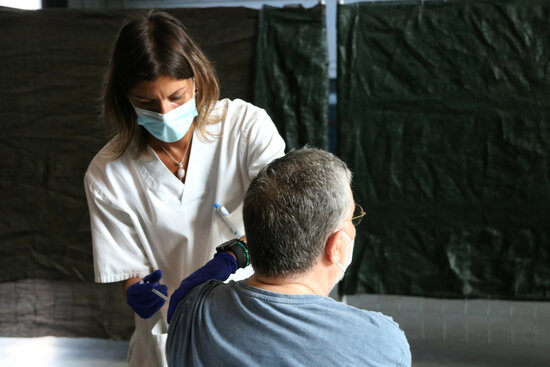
<point x="332" y="247"/>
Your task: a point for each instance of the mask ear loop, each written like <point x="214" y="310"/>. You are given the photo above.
<point x="340" y="266"/>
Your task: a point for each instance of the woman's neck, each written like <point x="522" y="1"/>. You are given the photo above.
<point x="174" y="154"/>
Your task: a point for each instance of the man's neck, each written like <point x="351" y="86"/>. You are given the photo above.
<point x="304" y="284"/>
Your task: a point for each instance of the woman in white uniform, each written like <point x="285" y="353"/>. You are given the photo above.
<point x="176" y="151"/>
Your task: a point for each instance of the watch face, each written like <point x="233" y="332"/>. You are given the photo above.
<point x="226" y="245"/>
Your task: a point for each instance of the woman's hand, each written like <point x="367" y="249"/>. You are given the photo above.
<point x="142" y="300"/>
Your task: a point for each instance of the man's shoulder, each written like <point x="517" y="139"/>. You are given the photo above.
<point x="360" y="329"/>
<point x="367" y="315"/>
<point x="201" y="291"/>
<point x="362" y="317"/>
<point x="381" y="329"/>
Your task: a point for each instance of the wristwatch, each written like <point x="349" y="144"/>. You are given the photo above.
<point x="239" y="248"/>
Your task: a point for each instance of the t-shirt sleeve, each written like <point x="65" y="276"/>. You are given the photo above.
<point x="187" y="315"/>
<point x="260" y="143"/>
<point x="118" y="254"/>
<point x="392" y="339"/>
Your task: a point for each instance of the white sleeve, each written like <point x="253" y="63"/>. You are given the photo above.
<point x="118" y="254"/>
<point x="260" y="144"/>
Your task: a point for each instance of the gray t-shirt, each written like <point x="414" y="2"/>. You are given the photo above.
<point x="235" y="324"/>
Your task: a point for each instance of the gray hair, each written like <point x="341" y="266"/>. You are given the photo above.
<point x="291" y="208"/>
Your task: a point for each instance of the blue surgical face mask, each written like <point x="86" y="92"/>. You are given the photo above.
<point x="171" y="126"/>
<point x="344" y="267"/>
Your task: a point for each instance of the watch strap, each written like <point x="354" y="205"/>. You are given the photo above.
<point x="239" y="248"/>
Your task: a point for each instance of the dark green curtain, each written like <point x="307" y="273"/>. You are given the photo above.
<point x="443" y="111"/>
<point x="292" y="73"/>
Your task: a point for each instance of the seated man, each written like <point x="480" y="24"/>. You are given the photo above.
<point x="298" y="219"/>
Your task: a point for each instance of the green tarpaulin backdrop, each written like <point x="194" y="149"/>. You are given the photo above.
<point x="444" y="112"/>
<point x="292" y="73"/>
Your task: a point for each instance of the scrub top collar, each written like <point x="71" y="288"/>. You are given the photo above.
<point x="163" y="182"/>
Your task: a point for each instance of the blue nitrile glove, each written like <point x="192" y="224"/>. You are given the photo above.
<point x="142" y="300"/>
<point x="220" y="268"/>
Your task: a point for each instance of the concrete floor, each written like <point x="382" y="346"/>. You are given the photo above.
<point x="448" y="333"/>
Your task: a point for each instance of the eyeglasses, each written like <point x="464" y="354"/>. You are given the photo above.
<point x="358" y="215"/>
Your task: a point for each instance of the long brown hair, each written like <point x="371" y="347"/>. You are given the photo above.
<point x="151" y="45"/>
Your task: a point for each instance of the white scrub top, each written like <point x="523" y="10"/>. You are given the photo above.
<point x="143" y="218"/>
